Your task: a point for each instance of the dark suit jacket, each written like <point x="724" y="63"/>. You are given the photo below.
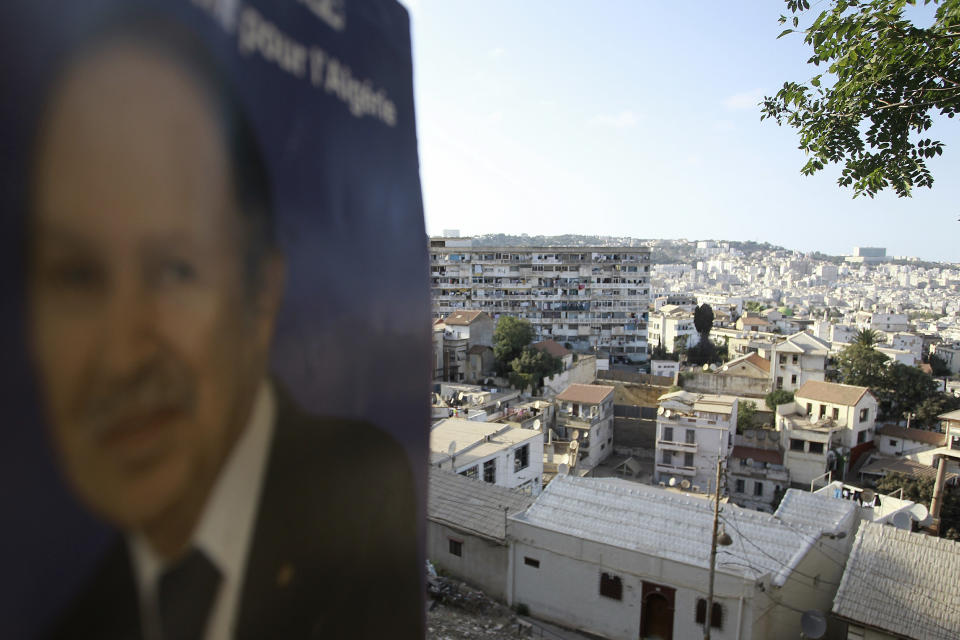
<point x="333" y="552"/>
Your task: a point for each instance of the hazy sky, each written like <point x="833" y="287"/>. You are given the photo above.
<point x="640" y="118"/>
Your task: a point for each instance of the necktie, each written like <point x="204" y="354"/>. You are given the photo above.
<point x="186" y="594"/>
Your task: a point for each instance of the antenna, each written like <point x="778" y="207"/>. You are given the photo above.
<point x="813" y="624"/>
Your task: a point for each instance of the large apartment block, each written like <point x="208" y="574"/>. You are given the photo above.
<point x="590" y="297"/>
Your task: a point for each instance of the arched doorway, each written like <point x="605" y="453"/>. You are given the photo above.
<point x="656" y="616"/>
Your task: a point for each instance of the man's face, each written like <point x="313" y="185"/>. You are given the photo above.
<point x="148" y="344"/>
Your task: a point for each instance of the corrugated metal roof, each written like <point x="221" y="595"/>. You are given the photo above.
<point x="472" y="505"/>
<point x="668" y="525"/>
<point x="903" y="583"/>
<point x="815" y="510"/>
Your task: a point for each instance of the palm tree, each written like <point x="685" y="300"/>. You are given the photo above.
<point x="866" y="337"/>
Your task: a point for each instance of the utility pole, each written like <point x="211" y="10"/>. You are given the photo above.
<point x="713" y="553"/>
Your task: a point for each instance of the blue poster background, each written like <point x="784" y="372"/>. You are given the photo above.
<point x="353" y="333"/>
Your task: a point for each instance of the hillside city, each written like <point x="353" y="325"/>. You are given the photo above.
<point x="677" y="438"/>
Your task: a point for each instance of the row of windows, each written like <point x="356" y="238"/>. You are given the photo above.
<point x="667" y="458"/>
<point x="690" y="437"/>
<point x="741" y="487"/>
<point x="521" y="460"/>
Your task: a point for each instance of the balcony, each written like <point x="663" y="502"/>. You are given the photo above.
<point x="678" y="446"/>
<point x="676" y="470"/>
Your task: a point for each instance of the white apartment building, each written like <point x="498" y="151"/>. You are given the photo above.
<point x="585" y="416"/>
<point x="823" y="427"/>
<point x="490" y="451"/>
<point x="756" y="474"/>
<point x="671" y="326"/>
<point x="692" y="430"/>
<point x="590" y="297"/>
<point x="950" y="354"/>
<point x="799" y="358"/>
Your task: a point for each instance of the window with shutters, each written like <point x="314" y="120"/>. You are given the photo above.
<point x="716" y="617"/>
<point x="611" y="586"/>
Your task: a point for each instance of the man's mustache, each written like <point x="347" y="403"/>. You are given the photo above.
<point x="154" y="389"/>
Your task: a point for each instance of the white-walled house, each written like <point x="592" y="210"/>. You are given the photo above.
<point x="585" y="415"/>
<point x="825" y="428"/>
<point x="799" y="358"/>
<point x="692" y="430"/>
<point x="466" y="529"/>
<point x="490" y="451"/>
<point x="623" y="560"/>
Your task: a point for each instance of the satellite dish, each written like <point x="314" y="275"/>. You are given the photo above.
<point x="673" y="482"/>
<point x="749" y="462"/>
<point x="575" y="435"/>
<point x="460" y="396"/>
<point x="902" y="520"/>
<point x="498" y="404"/>
<point x="563" y="469"/>
<point x="725" y="368"/>
<point x="452" y="449"/>
<point x="813" y="624"/>
<point x="919" y="512"/>
<point x="659" y="411"/>
<point x="684" y="484"/>
<point x="867" y="496"/>
<point x="667" y="413"/>
<point x="536" y="424"/>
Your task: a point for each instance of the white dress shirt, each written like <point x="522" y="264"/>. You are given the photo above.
<point x="225" y="528"/>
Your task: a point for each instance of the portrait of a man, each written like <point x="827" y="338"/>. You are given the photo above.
<point x="154" y="283"/>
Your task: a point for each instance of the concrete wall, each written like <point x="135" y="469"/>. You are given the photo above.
<point x="702" y="382"/>
<point x="565" y="587"/>
<point x="635" y="433"/>
<point x="583" y="371"/>
<point x="482" y="563"/>
<point x="636" y="378"/>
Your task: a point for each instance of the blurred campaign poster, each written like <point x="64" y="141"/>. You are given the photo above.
<point x="215" y="320"/>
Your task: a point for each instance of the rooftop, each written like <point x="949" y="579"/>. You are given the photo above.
<point x="771" y="456"/>
<point x="472" y="440"/>
<point x="884" y="465"/>
<point x="917" y="435"/>
<point x="903" y="583"/>
<point x="464" y="317"/>
<point x="472" y="505"/>
<point x="585" y="393"/>
<point x="670" y="525"/>
<point x="552" y="347"/>
<point x="816" y="510"/>
<point x="831" y="392"/>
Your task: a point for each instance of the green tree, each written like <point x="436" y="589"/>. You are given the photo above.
<point x="903" y="389"/>
<point x="753" y="306"/>
<point x="869" y="107"/>
<point x="939" y="365"/>
<point x="745" y="414"/>
<point x="862" y="366"/>
<point x="529" y="369"/>
<point x="936" y="405"/>
<point x="778" y="397"/>
<point x="509" y="339"/>
<point x="921" y="492"/>
<point x="866" y="337"/>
